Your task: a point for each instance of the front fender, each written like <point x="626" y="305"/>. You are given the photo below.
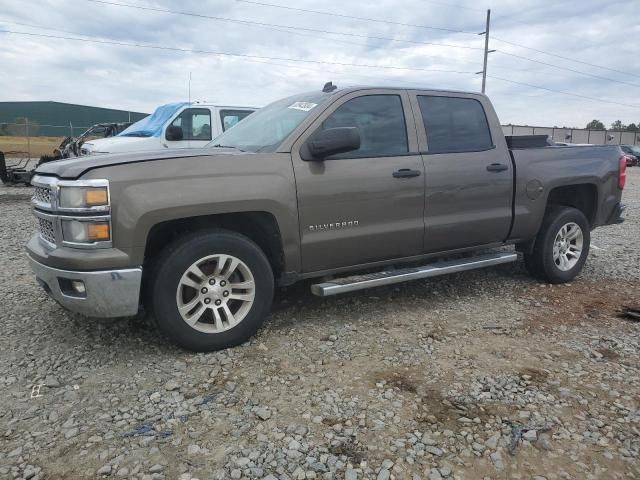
<point x="145" y="194"/>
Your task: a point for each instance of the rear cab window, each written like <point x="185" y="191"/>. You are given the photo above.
<point x="454" y="124"/>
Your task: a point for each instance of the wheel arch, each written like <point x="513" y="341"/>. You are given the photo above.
<point x="581" y="196"/>
<point x="259" y="226"/>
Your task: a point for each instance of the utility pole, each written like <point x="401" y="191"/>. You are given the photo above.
<point x="189" y="87"/>
<point x="486" y="51"/>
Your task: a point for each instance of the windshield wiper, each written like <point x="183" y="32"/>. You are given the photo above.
<point x="136" y="134"/>
<point x="217" y="145"/>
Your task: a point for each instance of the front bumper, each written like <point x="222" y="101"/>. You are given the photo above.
<point x="107" y="293"/>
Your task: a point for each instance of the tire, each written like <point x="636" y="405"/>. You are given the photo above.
<point x="547" y="264"/>
<point x="204" y="324"/>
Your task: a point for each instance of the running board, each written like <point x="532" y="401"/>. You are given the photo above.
<point x="360" y="282"/>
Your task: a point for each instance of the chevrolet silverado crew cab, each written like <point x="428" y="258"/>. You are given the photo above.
<point x="354" y="187"/>
<point x="175" y="125"/>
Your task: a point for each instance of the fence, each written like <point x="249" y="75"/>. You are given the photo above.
<point x="576" y="135"/>
<point x="23" y="139"/>
<point x="33" y="129"/>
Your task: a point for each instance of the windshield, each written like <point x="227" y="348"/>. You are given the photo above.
<point x="151" y="126"/>
<point x="264" y="130"/>
<point x="97" y="131"/>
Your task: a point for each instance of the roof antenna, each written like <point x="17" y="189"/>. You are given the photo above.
<point x="329" y="87"/>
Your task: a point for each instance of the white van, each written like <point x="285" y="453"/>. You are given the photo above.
<point x="175" y="125"/>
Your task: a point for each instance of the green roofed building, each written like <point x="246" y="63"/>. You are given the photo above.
<point x="57" y="119"/>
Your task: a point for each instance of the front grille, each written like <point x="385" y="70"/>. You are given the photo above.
<point x="46" y="230"/>
<point x="42" y="195"/>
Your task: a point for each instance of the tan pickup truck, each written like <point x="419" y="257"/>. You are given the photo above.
<point x="393" y="184"/>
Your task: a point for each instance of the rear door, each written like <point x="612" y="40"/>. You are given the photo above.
<point x="468" y="172"/>
<point x="355" y="208"/>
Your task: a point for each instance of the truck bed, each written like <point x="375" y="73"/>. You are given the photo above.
<point x="541" y="170"/>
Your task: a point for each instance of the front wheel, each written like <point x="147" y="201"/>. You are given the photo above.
<point x="561" y="246"/>
<point x="211" y="290"/>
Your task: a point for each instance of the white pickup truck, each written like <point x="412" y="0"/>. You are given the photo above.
<point x="175" y="125"/>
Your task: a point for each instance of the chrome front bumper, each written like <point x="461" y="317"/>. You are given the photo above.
<point x="108" y="293"/>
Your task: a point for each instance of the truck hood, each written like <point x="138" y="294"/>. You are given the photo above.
<point x="73" y="168"/>
<point x="121" y="144"/>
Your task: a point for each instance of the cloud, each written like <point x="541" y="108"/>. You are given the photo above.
<point x="140" y="79"/>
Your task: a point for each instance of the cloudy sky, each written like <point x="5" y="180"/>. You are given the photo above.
<point x="396" y="44"/>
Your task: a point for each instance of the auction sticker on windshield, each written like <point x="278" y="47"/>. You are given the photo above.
<point x="304" y="106"/>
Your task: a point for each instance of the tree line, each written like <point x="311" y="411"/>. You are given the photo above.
<point x="616" y="126"/>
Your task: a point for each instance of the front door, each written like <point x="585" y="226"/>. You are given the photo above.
<point x="196" y="128"/>
<point x="468" y="176"/>
<point x="367" y="205"/>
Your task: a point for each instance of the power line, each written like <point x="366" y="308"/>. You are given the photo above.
<point x="253" y="2"/>
<point x="563" y="58"/>
<point x="528" y="10"/>
<point x="335" y="40"/>
<point x="563" y="93"/>
<point x="31" y="25"/>
<point x="298" y="67"/>
<point x="289" y="28"/>
<point x="236" y="55"/>
<point x="567" y="69"/>
<point x="270" y="25"/>
<point x="264" y="59"/>
<point x="42" y="27"/>
<point x="286" y="7"/>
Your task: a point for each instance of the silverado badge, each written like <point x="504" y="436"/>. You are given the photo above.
<point x="333" y="226"/>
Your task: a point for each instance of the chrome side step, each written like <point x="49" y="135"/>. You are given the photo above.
<point x="360" y="282"/>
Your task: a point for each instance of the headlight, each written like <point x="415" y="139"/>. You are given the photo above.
<point x="84" y="197"/>
<point x="86" y="148"/>
<point x="90" y="231"/>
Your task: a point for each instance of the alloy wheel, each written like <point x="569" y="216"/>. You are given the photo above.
<point x="215" y="293"/>
<point x="567" y="246"/>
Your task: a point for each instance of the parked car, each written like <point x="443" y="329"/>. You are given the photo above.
<point x="633" y="155"/>
<point x="175" y="125"/>
<point x="314" y="186"/>
<point x="71" y="146"/>
<point x="22" y="171"/>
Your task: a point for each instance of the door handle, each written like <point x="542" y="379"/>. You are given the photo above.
<point x="497" y="167"/>
<point x="406" y="173"/>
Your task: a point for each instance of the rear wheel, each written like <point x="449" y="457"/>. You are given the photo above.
<point x="561" y="246"/>
<point x="211" y="290"/>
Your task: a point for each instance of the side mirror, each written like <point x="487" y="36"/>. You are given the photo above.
<point x="174" y="133"/>
<point x="333" y="141"/>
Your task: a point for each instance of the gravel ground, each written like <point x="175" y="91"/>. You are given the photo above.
<point x="486" y="374"/>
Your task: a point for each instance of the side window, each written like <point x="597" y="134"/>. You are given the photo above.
<point x="380" y="120"/>
<point x="230" y="117"/>
<point x="195" y="124"/>
<point x="454" y="124"/>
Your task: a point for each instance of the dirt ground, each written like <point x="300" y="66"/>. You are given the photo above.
<point x="37" y="145"/>
<point x="481" y="375"/>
